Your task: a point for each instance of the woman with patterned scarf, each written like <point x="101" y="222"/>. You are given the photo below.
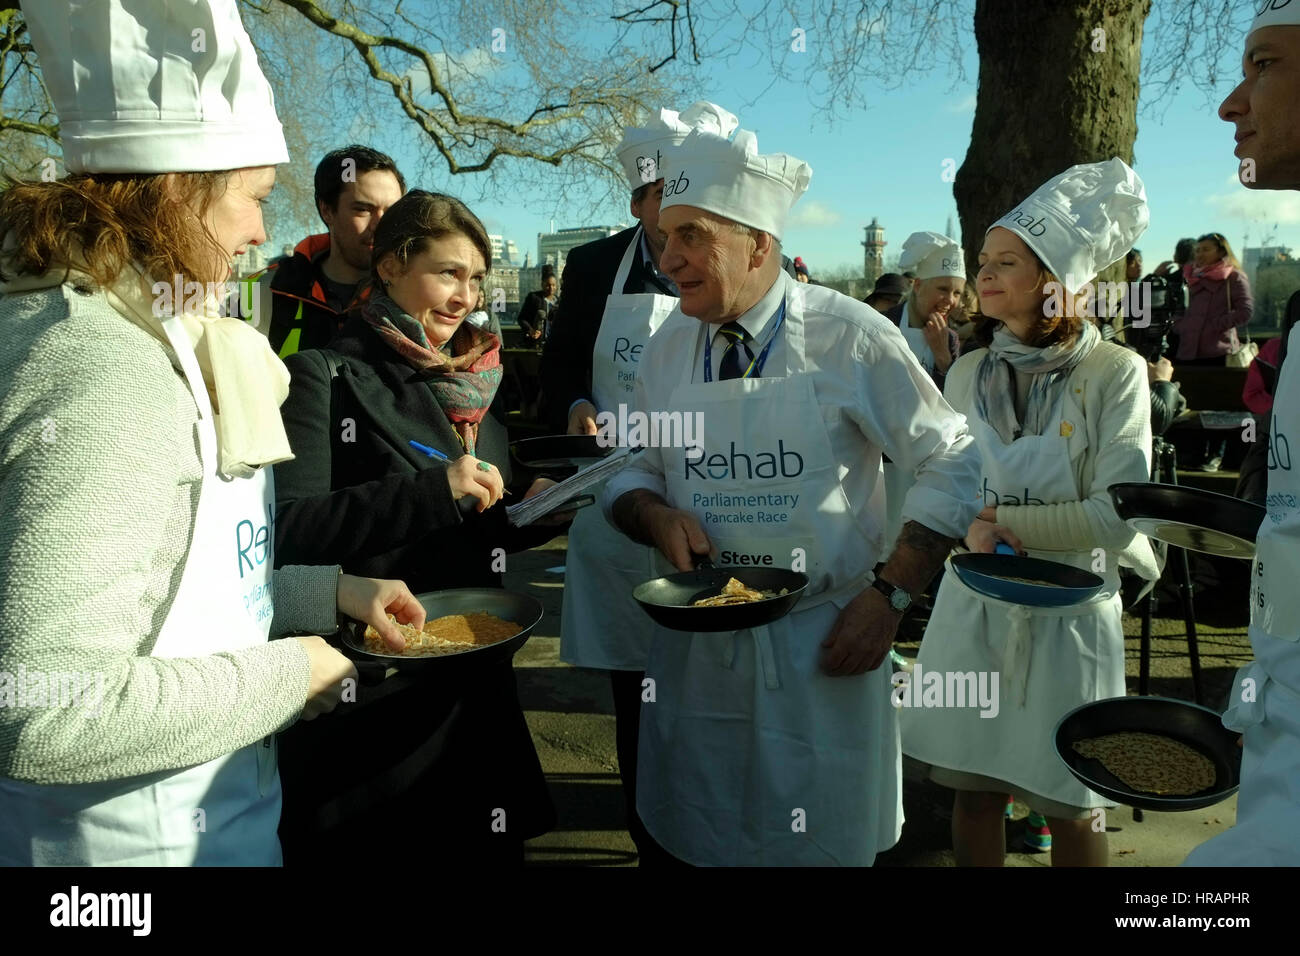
<point x="407" y="368"/>
<point x="1059" y="415"/>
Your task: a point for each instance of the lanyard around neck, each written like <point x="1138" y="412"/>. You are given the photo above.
<point x="756" y="366"/>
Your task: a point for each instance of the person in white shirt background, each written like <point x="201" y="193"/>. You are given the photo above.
<point x="779" y="745"/>
<point x="1059" y="416"/>
<point x="1264" y="703"/>
<point x="940" y="277"/>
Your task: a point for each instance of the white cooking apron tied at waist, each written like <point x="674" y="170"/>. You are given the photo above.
<point x="600" y="625"/>
<point x="1264" y="702"/>
<point x="749" y="754"/>
<point x="224" y="812"/>
<point x="1047" y="660"/>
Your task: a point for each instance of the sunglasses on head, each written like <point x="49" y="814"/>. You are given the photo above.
<point x="1212" y="237"/>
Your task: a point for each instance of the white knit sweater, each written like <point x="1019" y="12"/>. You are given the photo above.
<point x="99" y="482"/>
<point x="1113" y="445"/>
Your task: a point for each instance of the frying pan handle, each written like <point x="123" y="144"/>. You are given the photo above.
<point x="371" y="673"/>
<point x="1004" y="548"/>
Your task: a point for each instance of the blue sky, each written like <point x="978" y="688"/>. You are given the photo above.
<point x="886" y="160"/>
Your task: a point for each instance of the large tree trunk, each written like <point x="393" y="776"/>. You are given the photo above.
<point x="1047" y="100"/>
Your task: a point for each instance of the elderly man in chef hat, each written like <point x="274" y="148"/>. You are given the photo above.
<point x="779" y="745"/>
<point x="1265" y="698"/>
<point x="614" y="299"/>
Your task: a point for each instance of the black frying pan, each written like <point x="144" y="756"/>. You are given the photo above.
<point x="507" y="605"/>
<point x="1056" y="584"/>
<point x="1189" y="518"/>
<point x="559" y="451"/>
<point x="668" y="600"/>
<point x="1198" y="727"/>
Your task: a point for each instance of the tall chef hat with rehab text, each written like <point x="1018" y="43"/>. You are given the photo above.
<point x="929" y="255"/>
<point x="732" y="180"/>
<point x="644" y="149"/>
<point x="1081" y="221"/>
<point x="155" y="86"/>
<point x="1275" y="13"/>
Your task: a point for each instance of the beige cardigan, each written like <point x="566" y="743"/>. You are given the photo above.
<point x="1113" y="444"/>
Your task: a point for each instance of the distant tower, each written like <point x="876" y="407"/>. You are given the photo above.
<point x="948" y="231"/>
<point x="874" y="260"/>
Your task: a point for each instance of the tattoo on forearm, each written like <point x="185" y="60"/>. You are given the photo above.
<point x="918" y="536"/>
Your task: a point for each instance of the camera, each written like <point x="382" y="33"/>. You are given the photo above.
<point x="1168" y="303"/>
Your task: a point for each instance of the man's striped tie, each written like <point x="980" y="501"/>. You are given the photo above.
<point x="737" y="341"/>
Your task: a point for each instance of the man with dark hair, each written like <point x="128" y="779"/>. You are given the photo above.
<point x="1264" y="698"/>
<point x="300" y="300"/>
<point x="535" y="314"/>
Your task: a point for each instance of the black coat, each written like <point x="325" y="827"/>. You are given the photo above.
<point x="535" y="314"/>
<point x="358" y="495"/>
<point x="588" y="281"/>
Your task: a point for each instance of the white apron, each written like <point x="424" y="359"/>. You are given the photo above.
<point x="897" y="481"/>
<point x="750" y="754"/>
<point x="600" y="625"/>
<point x="1048" y="660"/>
<point x="223" y="604"/>
<point x="1267" y="832"/>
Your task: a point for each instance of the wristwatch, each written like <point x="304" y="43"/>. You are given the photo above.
<point x="899" y="599"/>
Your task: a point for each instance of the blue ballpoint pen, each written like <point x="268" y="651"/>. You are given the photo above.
<point x="426" y="450"/>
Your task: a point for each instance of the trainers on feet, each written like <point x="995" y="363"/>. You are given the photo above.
<point x="1212" y="465"/>
<point x="1038" y="837"/>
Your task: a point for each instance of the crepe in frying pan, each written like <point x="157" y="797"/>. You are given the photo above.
<point x="1151" y="763"/>
<point x="734" y="592"/>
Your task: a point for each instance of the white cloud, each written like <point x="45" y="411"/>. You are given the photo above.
<point x="1256" y="205"/>
<point x="474" y="63"/>
<point x="813" y="214"/>
<point x="964" y="106"/>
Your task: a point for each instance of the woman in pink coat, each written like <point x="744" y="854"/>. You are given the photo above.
<point x="1219" y="301"/>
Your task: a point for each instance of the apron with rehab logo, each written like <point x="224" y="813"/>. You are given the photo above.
<point x="220" y="813"/>
<point x="749" y="753"/>
<point x="1264" y="701"/>
<point x="1048" y="660"/>
<point x="600" y="625"/>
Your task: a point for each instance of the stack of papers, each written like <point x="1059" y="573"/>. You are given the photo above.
<point x="557" y="496"/>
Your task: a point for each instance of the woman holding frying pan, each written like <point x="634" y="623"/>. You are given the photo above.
<point x="401" y="463"/>
<point x="1059" y="415"/>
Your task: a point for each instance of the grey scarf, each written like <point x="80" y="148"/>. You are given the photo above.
<point x="995" y="388"/>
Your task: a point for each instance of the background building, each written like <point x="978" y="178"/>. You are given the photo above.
<point x="873" y="263"/>
<point x="504" y="251"/>
<point x="553" y="247"/>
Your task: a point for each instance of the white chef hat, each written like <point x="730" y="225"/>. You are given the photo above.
<point x="1081" y="221"/>
<point x="1276" y="13"/>
<point x="643" y="149"/>
<point x="155" y="86"/>
<point x="929" y="255"/>
<point x="731" y="179"/>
